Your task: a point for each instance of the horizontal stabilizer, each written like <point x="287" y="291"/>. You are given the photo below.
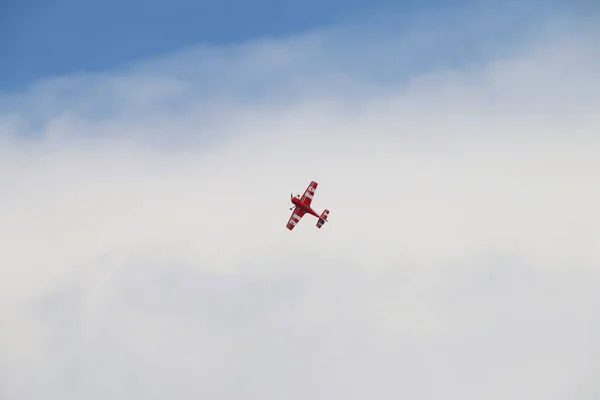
<point x="322" y="219"/>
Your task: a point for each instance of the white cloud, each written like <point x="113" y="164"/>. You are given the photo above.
<point x="145" y="253"/>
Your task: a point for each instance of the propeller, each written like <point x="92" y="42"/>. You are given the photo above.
<point x="291" y="197"/>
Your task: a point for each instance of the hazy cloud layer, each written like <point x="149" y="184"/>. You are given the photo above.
<point x="145" y="255"/>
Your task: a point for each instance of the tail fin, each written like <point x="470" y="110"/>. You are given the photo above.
<point x="322" y="219"/>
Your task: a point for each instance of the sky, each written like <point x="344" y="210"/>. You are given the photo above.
<point x="144" y="198"/>
<point x="41" y="39"/>
<point x="59" y="37"/>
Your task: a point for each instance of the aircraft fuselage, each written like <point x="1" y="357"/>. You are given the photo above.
<point x="304" y="207"/>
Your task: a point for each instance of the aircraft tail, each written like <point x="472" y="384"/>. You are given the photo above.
<point x="322" y="219"/>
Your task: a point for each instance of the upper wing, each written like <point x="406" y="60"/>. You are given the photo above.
<point x="309" y="193"/>
<point x="295" y="218"/>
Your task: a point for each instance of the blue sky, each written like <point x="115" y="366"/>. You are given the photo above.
<point x="60" y="37"/>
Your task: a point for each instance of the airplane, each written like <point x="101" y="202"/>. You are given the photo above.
<point x="302" y="206"/>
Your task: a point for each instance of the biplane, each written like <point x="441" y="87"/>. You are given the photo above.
<point x="302" y="205"/>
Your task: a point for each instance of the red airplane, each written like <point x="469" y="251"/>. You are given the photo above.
<point x="302" y="206"/>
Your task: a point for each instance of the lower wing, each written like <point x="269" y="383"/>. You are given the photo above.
<point x="295" y="218"/>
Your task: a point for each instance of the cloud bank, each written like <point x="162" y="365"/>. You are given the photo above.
<point x="143" y="216"/>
